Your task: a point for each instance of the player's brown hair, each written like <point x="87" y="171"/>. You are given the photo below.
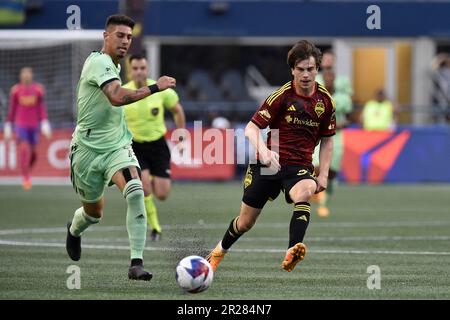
<point x="303" y="50"/>
<point x="118" y="20"/>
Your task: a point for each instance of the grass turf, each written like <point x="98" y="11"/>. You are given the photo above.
<point x="405" y="230"/>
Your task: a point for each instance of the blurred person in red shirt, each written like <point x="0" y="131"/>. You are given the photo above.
<point x="28" y="113"/>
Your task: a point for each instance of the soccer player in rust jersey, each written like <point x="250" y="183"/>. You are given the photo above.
<point x="300" y="115"/>
<point x="27" y="111"/>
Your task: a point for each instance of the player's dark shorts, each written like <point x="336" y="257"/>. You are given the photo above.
<point x="260" y="187"/>
<point x="154" y="156"/>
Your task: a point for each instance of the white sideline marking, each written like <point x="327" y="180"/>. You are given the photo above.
<point x="391" y="224"/>
<point x="44" y="242"/>
<point x="92" y="246"/>
<point x="95" y="240"/>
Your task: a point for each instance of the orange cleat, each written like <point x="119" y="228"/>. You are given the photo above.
<point x="323" y="211"/>
<point x="294" y="255"/>
<point x="26" y="185"/>
<point x="215" y="257"/>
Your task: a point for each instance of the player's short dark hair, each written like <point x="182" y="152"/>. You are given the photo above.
<point x="119" y="20"/>
<point x="137" y="57"/>
<point x="303" y="50"/>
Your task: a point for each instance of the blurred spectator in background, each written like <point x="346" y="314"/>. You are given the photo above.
<point x="379" y="113"/>
<point x="26" y="111"/>
<point x="220" y="123"/>
<point x="441" y="91"/>
<point x="340" y="89"/>
<point x="218" y="120"/>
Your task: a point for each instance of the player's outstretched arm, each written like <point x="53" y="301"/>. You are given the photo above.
<point x="119" y="96"/>
<point x="325" y="156"/>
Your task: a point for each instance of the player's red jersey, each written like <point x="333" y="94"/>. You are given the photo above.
<point x="26" y="105"/>
<point x="301" y="122"/>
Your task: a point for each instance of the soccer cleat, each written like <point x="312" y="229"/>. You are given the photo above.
<point x="73" y="245"/>
<point x="155" y="235"/>
<point x="215" y="257"/>
<point x="323" y="211"/>
<point x="26" y="185"/>
<point x="138" y="273"/>
<point x="294" y="255"/>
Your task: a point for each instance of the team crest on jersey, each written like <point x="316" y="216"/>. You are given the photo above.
<point x="319" y="108"/>
<point x="265" y="114"/>
<point x="155" y="111"/>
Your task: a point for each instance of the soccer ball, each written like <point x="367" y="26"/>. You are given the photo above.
<point x="194" y="274"/>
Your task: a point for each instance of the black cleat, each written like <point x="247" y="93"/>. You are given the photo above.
<point x="73" y="245"/>
<point x="155" y="235"/>
<point x="138" y="273"/>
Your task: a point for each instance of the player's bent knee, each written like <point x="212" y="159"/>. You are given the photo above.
<point x="162" y="196"/>
<point x="301" y="195"/>
<point x="308" y="194"/>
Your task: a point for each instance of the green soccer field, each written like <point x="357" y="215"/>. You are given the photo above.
<point x="404" y="230"/>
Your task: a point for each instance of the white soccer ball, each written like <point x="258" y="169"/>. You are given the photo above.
<point x="194" y="274"/>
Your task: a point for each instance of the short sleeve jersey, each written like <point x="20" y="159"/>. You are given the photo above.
<point x="100" y="125"/>
<point x="145" y="118"/>
<point x="301" y="122"/>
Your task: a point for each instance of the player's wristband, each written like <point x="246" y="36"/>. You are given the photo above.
<point x="153" y="88"/>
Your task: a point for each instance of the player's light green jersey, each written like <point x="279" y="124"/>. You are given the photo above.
<point x="342" y="97"/>
<point x="145" y="118"/>
<point x="100" y="125"/>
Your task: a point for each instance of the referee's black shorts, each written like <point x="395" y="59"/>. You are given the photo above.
<point x="154" y="156"/>
<point x="260" y="186"/>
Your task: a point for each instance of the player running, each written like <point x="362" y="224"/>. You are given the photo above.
<point x="299" y="114"/>
<point x="145" y="119"/>
<point x="27" y="110"/>
<point x="100" y="151"/>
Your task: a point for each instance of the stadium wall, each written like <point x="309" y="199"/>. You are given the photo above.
<point x="250" y="18"/>
<point x="407" y="155"/>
